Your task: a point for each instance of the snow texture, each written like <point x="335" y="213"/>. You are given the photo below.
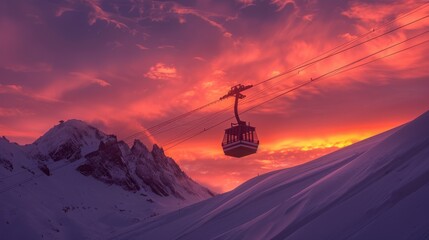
<point x="75" y="182"/>
<point x="375" y="189"/>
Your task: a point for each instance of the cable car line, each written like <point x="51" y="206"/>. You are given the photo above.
<point x="337" y="70"/>
<point x="317" y="59"/>
<point x="305" y="64"/>
<point x="169" y="121"/>
<point x="301" y="66"/>
<point x="159" y="127"/>
<point x="186" y="138"/>
<point x="197" y="122"/>
<point x="280" y="95"/>
<point x="341" y="51"/>
<point x="326" y="75"/>
<point x="186" y="131"/>
<point x="406" y="14"/>
<point x="332" y="73"/>
<point x="388" y="55"/>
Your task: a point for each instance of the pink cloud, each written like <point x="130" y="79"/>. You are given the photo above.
<point x="10" y="88"/>
<point x="38" y="67"/>
<point x="246" y="3"/>
<point x="165" y="46"/>
<point x="202" y="15"/>
<point x="281" y="4"/>
<point x="61" y="10"/>
<point x="99" y="14"/>
<point x="141" y="46"/>
<point x="200" y="59"/>
<point x="161" y="71"/>
<point x="11" y="112"/>
<point x="54" y="91"/>
<point x="90" y="78"/>
<point x="308" y="17"/>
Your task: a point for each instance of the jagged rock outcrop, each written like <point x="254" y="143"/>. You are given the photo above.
<point x="132" y="169"/>
<point x="79" y="182"/>
<point x="108" y="165"/>
<point x="106" y="159"/>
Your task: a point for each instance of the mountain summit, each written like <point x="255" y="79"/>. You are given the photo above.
<point x="374" y="189"/>
<point x="113" y="162"/>
<point x="77" y="178"/>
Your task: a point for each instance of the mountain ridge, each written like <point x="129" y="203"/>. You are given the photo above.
<point x="77" y="179"/>
<point x="74" y="139"/>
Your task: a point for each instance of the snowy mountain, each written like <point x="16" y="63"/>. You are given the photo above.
<point x="75" y="182"/>
<point x="375" y="189"/>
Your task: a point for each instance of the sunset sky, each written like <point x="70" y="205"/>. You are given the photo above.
<point x="126" y="65"/>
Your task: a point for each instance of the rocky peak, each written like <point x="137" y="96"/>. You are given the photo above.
<point x="4" y="139"/>
<point x="160" y="158"/>
<point x="113" y="162"/>
<point x="71" y="129"/>
<point x="139" y="149"/>
<point x="68" y="140"/>
<point x="157" y="149"/>
<point x="138" y="168"/>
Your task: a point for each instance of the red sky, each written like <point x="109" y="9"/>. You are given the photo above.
<point x="124" y="66"/>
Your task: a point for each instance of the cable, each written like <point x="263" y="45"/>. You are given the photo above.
<point x="304" y="65"/>
<point x="388" y="55"/>
<point x="333" y="54"/>
<point x="326" y="75"/>
<point x="167" y="122"/>
<point x="306" y="83"/>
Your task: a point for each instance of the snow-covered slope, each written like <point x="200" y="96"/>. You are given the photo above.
<point x="75" y="182"/>
<point x="375" y="189"/>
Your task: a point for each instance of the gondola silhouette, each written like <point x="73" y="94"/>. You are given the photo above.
<point x="240" y="139"/>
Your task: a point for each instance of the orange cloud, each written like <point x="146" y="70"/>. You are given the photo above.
<point x="377" y="13"/>
<point x="161" y="71"/>
<point x="75" y="80"/>
<point x="306" y="144"/>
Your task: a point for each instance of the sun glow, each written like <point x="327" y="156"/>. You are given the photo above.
<point x="307" y="144"/>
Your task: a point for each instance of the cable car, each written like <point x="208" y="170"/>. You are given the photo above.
<point x="240" y="139"/>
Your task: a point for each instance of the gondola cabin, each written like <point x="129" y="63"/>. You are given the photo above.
<point x="240" y="140"/>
